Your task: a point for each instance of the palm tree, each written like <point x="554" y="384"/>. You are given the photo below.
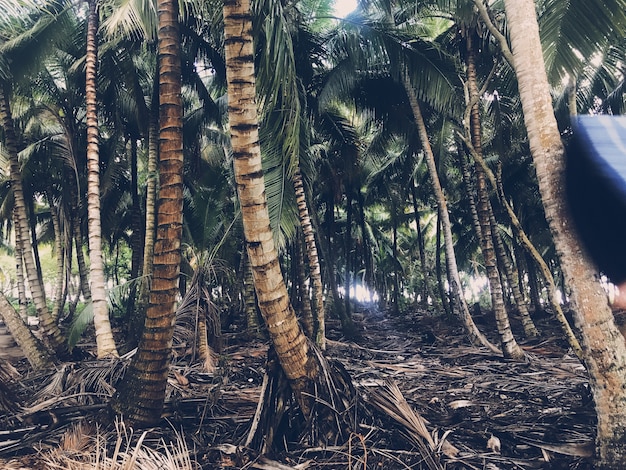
<point x="104" y="335"/>
<point x="141" y="395"/>
<point x="14" y="45"/>
<point x="296" y="354"/>
<point x="603" y="346"/>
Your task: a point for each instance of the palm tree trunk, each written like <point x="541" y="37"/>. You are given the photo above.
<point x="474" y="334"/>
<point x="104" y="336"/>
<point x="314" y="262"/>
<point x="512" y="276"/>
<point x="510" y="348"/>
<point x="142" y="392"/>
<point x="59" y="297"/>
<point x="603" y="345"/>
<point x="290" y="343"/>
<point x="35" y="283"/>
<point x="19" y="271"/>
<point x="426" y="290"/>
<point x="35" y="352"/>
<point x="523" y="238"/>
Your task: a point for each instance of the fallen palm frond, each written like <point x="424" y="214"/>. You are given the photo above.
<point x="389" y="400"/>
<point x="126" y="452"/>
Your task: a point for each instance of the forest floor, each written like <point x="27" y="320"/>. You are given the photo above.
<point x="491" y="413"/>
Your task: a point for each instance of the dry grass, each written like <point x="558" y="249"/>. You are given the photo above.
<point x="85" y="448"/>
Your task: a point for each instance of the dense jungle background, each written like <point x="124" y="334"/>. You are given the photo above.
<point x="266" y="235"/>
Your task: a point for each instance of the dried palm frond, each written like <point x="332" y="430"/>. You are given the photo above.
<point x="97" y="377"/>
<point x="126" y="452"/>
<point x="198" y="324"/>
<point x="388" y="399"/>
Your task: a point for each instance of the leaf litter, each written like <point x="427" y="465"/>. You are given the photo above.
<point x="428" y="400"/>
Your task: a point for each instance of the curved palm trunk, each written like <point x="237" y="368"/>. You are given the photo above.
<point x="104" y="336"/>
<point x="35" y="352"/>
<point x="141" y="395"/>
<point x="35" y="283"/>
<point x="289" y="341"/>
<point x="510" y="348"/>
<point x="603" y="346"/>
<point x="512" y="277"/>
<point x="532" y="251"/>
<point x="314" y="262"/>
<point x="472" y="330"/>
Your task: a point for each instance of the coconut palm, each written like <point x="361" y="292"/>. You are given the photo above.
<point x="14" y="46"/>
<point x="141" y="395"/>
<point x="296" y="355"/>
<point x="104" y="335"/>
<point x="603" y="346"/>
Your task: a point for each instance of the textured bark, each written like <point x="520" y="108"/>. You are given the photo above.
<point x="46" y="322"/>
<point x="59" y="292"/>
<point x="19" y="271"/>
<point x="315" y="272"/>
<point x="104" y="336"/>
<point x="35" y="352"/>
<point x="426" y="290"/>
<point x="249" y="298"/>
<point x="302" y="291"/>
<point x="151" y="192"/>
<point x="141" y="395"/>
<point x="512" y="276"/>
<point x="510" y="348"/>
<point x="474" y="334"/>
<point x="604" y="348"/>
<point x="288" y="339"/>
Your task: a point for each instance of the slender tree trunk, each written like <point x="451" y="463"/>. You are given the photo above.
<point x="151" y="190"/>
<point x="104" y="336"/>
<point x="35" y="283"/>
<point x="443" y="296"/>
<point x="426" y="290"/>
<point x="19" y="270"/>
<point x="512" y="277"/>
<point x="35" y="352"/>
<point x="347" y="281"/>
<point x="315" y="272"/>
<point x="474" y="334"/>
<point x="141" y="395"/>
<point x="510" y="348"/>
<point x="59" y="292"/>
<point x="249" y="298"/>
<point x="296" y="358"/>
<point x="603" y="345"/>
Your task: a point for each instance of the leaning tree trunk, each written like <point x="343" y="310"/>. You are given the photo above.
<point x="104" y="336"/>
<point x="35" y="283"/>
<point x="298" y="360"/>
<point x="35" y="352"/>
<point x="314" y="262"/>
<point x="604" y="348"/>
<point x="510" y="348"/>
<point x="141" y="395"/>
<point x="474" y="334"/>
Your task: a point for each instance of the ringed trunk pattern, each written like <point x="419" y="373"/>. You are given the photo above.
<point x="288" y="339"/>
<point x="104" y="335"/>
<point x="603" y="345"/>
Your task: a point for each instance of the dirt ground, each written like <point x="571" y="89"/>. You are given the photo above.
<point x="481" y="411"/>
